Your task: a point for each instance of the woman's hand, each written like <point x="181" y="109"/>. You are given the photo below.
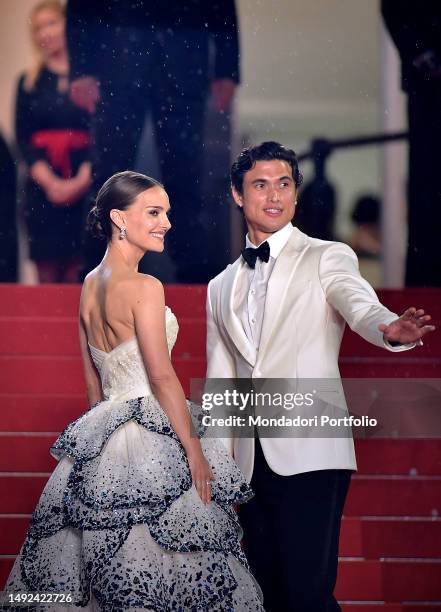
<point x="83" y="178"/>
<point x="59" y="191"/>
<point x="201" y="474"/>
<point x="65" y="192"/>
<point x="62" y="192"/>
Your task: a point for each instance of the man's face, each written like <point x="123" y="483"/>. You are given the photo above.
<point x="268" y="198"/>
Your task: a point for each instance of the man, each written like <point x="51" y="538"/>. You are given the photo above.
<point x="417" y="36"/>
<point x="129" y="59"/>
<point x="279" y="311"/>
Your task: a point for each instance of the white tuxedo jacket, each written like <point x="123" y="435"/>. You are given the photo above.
<point x="315" y="287"/>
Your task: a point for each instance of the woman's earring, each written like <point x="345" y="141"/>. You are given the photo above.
<point x="122" y="233"/>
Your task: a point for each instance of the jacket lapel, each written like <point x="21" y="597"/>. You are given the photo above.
<point x="279" y="283"/>
<point x="230" y="319"/>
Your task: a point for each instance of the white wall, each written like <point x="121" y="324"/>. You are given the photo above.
<point x="309" y="56"/>
<point x="312" y="68"/>
<point x="15" y="53"/>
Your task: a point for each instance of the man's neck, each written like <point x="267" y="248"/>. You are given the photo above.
<point x="256" y="237"/>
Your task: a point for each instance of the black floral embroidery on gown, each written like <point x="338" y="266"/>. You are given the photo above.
<point x="119" y="524"/>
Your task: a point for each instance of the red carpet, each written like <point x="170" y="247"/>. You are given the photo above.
<point x="391" y="537"/>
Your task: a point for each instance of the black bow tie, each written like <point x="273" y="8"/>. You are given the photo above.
<point x="250" y="255"/>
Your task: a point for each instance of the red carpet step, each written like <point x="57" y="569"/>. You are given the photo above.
<point x="24" y="412"/>
<point x="372" y="538"/>
<point x="407" y="457"/>
<point x="391" y="534"/>
<point x="63" y="300"/>
<point x="385" y="607"/>
<point x="394" y="496"/>
<point x="389" y="580"/>
<point x="63" y="374"/>
<point x="59" y="336"/>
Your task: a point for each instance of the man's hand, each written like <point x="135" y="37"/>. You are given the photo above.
<point x="222" y="91"/>
<point x="85" y="93"/>
<point x="410" y="327"/>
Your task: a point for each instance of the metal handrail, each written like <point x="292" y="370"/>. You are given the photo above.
<point x="322" y="147"/>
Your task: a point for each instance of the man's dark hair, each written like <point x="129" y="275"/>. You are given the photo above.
<point x="266" y="151"/>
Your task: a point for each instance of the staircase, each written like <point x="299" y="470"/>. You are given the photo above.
<point x="390" y="548"/>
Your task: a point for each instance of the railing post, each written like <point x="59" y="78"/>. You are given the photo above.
<point x="392" y="164"/>
<point x="317" y="199"/>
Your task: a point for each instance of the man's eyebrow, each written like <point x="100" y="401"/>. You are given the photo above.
<point x="263" y="180"/>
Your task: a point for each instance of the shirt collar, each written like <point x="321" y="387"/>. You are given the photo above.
<point x="276" y="241"/>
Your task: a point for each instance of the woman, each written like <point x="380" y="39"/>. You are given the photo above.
<point x="138" y="513"/>
<point x="53" y="137"/>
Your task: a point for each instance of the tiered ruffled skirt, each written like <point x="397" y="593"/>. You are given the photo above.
<point x="119" y="525"/>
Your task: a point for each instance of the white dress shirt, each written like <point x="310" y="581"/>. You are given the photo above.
<point x="251" y="286"/>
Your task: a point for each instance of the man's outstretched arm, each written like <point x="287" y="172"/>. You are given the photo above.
<point x="352" y="296"/>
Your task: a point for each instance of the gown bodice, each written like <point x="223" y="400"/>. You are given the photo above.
<point x="122" y="371"/>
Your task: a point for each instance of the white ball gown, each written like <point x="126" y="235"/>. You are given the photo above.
<point x="119" y="525"/>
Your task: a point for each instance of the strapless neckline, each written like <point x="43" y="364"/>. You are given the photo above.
<point x="115" y="348"/>
<point x="131" y="339"/>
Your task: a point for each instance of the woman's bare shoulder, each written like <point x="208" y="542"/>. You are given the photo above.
<point x="146" y="289"/>
<point x="88" y="281"/>
<point x="129" y="291"/>
<point x="89" y="286"/>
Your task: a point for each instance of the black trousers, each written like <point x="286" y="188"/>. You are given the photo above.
<point x="291" y="535"/>
<point x="158" y="74"/>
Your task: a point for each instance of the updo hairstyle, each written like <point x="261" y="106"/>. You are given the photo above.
<point x="119" y="191"/>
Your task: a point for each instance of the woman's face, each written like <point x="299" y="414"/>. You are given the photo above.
<point x="48" y="31"/>
<point x="146" y="219"/>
